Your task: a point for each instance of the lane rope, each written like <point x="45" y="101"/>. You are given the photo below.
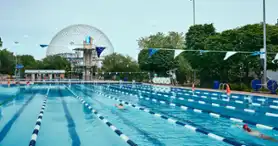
<point x="269" y="114"/>
<point x="38" y="122"/>
<point x="177" y="122"/>
<point x="214" y="93"/>
<point x="214" y="96"/>
<point x="109" y="124"/>
<point x="213" y="114"/>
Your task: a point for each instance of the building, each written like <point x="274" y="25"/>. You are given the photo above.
<point x="44" y="74"/>
<point x="69" y="43"/>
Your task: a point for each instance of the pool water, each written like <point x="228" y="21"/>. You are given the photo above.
<point x="66" y="121"/>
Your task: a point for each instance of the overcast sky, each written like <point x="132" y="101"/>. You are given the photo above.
<point x="32" y="22"/>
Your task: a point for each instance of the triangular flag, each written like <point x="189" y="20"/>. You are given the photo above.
<point x="43" y="45"/>
<point x="177" y="53"/>
<point x="275" y="58"/>
<point x="257" y="53"/>
<point x="99" y="51"/>
<point x="229" y="54"/>
<point x="203" y="51"/>
<point x="152" y="51"/>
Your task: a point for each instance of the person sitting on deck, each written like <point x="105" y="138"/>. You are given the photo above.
<point x="119" y="106"/>
<point x="257" y="133"/>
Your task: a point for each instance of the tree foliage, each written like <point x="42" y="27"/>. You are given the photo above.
<point x="28" y="61"/>
<point x="1" y="43"/>
<point x="55" y="62"/>
<point x="211" y="66"/>
<point x="7" y="62"/>
<point x="119" y="63"/>
<point x="163" y="60"/>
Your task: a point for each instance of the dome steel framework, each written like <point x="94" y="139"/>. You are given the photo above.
<point x="72" y="37"/>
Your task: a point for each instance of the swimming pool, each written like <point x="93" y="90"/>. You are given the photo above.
<point x="84" y="114"/>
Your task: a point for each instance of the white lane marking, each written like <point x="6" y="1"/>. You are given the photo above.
<point x="271" y="114"/>
<point x="238" y="101"/>
<point x="236" y="120"/>
<point x="215" y="136"/>
<point x="230" y="107"/>
<point x="214" y="115"/>
<point x="197" y="111"/>
<point x="264" y="126"/>
<point x="249" y="110"/>
<point x="190" y="127"/>
<point x="214" y="104"/>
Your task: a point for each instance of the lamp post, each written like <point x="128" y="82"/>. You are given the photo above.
<point x="193" y="2"/>
<point x="264" y="49"/>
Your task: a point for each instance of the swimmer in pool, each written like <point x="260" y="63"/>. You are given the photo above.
<point x="257" y="133"/>
<point x="119" y="106"/>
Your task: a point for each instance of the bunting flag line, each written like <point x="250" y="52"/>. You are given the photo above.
<point x="43" y="45"/>
<point x="203" y="51"/>
<point x="19" y="66"/>
<point x="120" y="73"/>
<point x="177" y="53"/>
<point x="229" y="54"/>
<point x="275" y="58"/>
<point x="99" y="51"/>
<point x="256" y="53"/>
<point x="152" y="51"/>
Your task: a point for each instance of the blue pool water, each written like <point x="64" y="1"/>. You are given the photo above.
<point x="67" y="121"/>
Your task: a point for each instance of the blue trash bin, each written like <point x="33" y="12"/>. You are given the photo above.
<point x="216" y="84"/>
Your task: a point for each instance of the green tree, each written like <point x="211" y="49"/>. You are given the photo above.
<point x="120" y="63"/>
<point x="55" y="62"/>
<point x="28" y="61"/>
<point x="163" y="60"/>
<point x="184" y="70"/>
<point x="7" y="62"/>
<point x="211" y="66"/>
<point x="1" y="43"/>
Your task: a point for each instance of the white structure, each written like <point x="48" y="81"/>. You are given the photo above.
<point x="72" y="37"/>
<point x="44" y="74"/>
<point x="162" y="80"/>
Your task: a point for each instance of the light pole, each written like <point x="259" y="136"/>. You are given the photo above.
<point x="265" y="51"/>
<point x="193" y="2"/>
<point x="15" y="70"/>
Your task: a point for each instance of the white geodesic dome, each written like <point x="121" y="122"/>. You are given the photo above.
<point x="73" y="36"/>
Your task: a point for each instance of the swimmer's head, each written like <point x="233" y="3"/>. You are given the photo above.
<point x="246" y="128"/>
<point x="121" y="104"/>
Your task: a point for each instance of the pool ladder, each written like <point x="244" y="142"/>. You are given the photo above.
<point x="222" y="88"/>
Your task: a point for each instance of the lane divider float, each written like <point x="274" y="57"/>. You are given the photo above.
<point x="174" y="121"/>
<point x="216" y="93"/>
<point x="215" y="115"/>
<point x="222" y="99"/>
<point x="109" y="124"/>
<point x="218" y="105"/>
<point x="38" y="123"/>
